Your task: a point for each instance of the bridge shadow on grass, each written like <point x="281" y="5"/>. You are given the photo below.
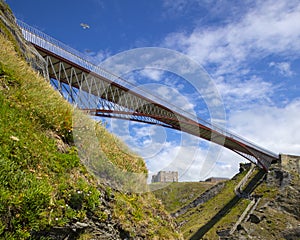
<point x="254" y="182"/>
<point x="226" y="209"/>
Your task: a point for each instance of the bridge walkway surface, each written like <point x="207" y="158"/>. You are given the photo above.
<point x="102" y="93"/>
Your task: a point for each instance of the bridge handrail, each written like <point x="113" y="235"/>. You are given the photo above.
<point x="43" y="40"/>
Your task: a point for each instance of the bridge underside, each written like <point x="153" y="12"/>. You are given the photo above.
<point x="101" y="97"/>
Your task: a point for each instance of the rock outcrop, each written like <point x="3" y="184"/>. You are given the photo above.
<point x="277" y="216"/>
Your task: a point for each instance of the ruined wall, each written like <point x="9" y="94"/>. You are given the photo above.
<point x="290" y="163"/>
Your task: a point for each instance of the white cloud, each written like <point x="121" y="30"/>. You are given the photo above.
<point x="194" y="163"/>
<point x="270" y="27"/>
<point x="177" y="5"/>
<point x="100" y="56"/>
<point x="284" y="68"/>
<point x="241" y="94"/>
<point x="191" y="162"/>
<point x="173" y="96"/>
<point x="153" y="74"/>
<point x="272" y="127"/>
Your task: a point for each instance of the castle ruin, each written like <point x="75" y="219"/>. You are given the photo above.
<point x="164" y="176"/>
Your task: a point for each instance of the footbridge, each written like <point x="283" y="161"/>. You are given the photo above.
<point x="104" y="94"/>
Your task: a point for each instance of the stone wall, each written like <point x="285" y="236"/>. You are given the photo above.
<point x="216" y="179"/>
<point x="290" y="163"/>
<point x="204" y="197"/>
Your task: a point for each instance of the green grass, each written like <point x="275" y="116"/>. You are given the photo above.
<point x="178" y="194"/>
<point x="43" y="182"/>
<point x="201" y="215"/>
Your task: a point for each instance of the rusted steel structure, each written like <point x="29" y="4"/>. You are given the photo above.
<point x="105" y="94"/>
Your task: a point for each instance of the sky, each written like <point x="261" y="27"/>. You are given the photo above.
<point x="249" y="49"/>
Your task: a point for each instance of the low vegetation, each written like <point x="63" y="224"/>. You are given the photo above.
<point x="201" y="215"/>
<point x="178" y="194"/>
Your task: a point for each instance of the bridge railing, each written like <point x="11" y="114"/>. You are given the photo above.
<point x="46" y="42"/>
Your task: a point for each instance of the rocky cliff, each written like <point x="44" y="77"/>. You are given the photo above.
<point x="277" y="216"/>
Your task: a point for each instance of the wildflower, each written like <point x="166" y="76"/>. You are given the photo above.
<point x="14" y="138"/>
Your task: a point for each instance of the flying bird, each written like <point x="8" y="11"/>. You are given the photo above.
<point x="84" y="25"/>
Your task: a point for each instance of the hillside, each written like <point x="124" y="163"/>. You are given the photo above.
<point x="268" y="207"/>
<point x="46" y="190"/>
<point x="177" y="194"/>
<point x="198" y="215"/>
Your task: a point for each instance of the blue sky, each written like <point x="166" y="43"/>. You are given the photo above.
<point x="250" y="49"/>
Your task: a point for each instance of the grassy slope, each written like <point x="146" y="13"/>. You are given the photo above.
<point x="42" y="180"/>
<point x="197" y="217"/>
<point x="178" y="194"/>
<point x="201" y="215"/>
<point x="278" y="210"/>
